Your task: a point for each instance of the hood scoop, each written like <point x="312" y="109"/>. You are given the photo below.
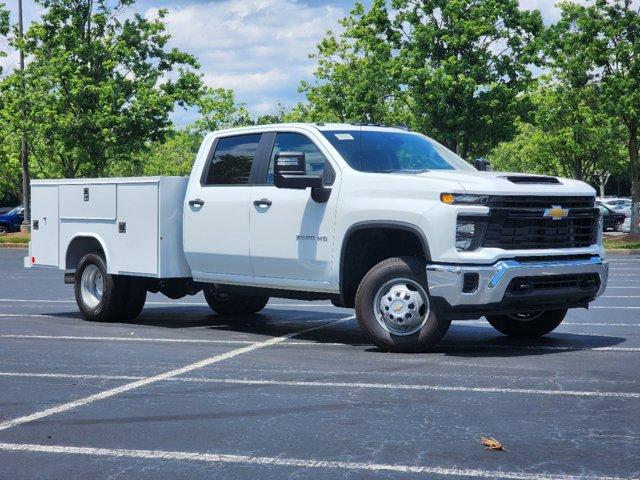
<point x="530" y="179"/>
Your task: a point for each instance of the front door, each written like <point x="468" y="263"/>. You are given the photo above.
<point x="217" y="209"/>
<point x="292" y="236"/>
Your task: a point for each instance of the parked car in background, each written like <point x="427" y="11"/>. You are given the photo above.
<point x="10" y="222"/>
<point x="626" y="226"/>
<point x="614" y="202"/>
<point x="611" y="219"/>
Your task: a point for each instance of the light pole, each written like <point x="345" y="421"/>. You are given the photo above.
<point x="26" y="223"/>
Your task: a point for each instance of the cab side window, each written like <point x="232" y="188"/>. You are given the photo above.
<point x="296" y="142"/>
<point x="232" y="159"/>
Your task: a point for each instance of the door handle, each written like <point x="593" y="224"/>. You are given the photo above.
<point x="197" y="202"/>
<point x="263" y="202"/>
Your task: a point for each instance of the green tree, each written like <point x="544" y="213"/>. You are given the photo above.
<point x="570" y="135"/>
<point x="4" y="27"/>
<point x="99" y="86"/>
<point x="452" y="69"/>
<point x="599" y="44"/>
<point x="355" y="79"/>
<point x="218" y="109"/>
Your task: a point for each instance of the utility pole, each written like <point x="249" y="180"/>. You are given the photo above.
<point x="26" y="224"/>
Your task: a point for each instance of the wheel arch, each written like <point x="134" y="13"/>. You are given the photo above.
<point x="372" y="227"/>
<point x="80" y="245"/>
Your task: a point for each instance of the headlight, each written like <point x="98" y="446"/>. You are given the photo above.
<point x="470" y="230"/>
<point x="464" y="199"/>
<point x="465" y="235"/>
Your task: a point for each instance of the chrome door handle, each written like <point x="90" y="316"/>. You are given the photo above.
<point x="197" y="202"/>
<point x="263" y="202"/>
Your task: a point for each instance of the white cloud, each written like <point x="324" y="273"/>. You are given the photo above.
<point x="258" y="48"/>
<point x="549" y="8"/>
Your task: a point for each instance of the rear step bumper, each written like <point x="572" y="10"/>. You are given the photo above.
<point x="468" y="285"/>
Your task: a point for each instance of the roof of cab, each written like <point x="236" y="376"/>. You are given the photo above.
<point x="317" y="126"/>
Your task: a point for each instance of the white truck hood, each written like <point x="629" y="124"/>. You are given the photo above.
<point x="496" y="183"/>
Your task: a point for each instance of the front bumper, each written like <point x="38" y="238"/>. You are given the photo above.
<point x="446" y="282"/>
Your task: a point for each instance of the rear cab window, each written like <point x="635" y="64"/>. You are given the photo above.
<point x="232" y="159"/>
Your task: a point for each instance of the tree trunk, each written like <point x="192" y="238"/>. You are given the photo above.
<point x="635" y="192"/>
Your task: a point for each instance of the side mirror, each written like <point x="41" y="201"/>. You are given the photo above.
<point x="290" y="171"/>
<point x="482" y="164"/>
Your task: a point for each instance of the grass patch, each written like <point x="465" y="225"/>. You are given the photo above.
<point x="625" y="242"/>
<point x="15" y="238"/>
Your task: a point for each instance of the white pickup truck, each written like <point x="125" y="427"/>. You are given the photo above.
<point x="381" y="219"/>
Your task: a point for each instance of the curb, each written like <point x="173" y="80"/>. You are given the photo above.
<point x="14" y="245"/>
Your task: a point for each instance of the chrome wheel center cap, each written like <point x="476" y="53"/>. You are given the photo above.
<point x="401" y="306"/>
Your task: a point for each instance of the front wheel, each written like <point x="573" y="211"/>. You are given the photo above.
<point x="394" y="309"/>
<point x="617" y="226"/>
<point x="527" y="324"/>
<point x="234" y="303"/>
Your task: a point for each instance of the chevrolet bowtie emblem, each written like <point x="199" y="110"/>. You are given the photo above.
<point x="556" y="212"/>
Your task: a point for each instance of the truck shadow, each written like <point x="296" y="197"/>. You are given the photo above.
<point x="462" y="339"/>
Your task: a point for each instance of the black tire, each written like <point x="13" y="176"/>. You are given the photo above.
<point x="617" y="226"/>
<point x="4" y="230"/>
<point x="136" y="296"/>
<point x="427" y="334"/>
<point x="529" y="324"/>
<point x="111" y="303"/>
<point x="234" y="303"/>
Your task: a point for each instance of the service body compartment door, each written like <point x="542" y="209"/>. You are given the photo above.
<point x="136" y="240"/>
<point x="45" y="225"/>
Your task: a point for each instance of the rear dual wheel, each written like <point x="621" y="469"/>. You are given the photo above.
<point x="102" y="297"/>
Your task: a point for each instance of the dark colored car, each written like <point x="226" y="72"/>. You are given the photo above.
<point x="10" y="222"/>
<point x="611" y="219"/>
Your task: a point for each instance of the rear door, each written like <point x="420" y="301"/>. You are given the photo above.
<point x="216" y="212"/>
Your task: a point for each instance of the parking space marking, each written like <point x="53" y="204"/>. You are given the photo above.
<point x="160" y="377"/>
<point x="440" y="347"/>
<point x="295" y="462"/>
<point x="347" y="385"/>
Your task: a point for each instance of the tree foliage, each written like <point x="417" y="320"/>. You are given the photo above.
<point x="452" y="69"/>
<point x="4" y="27"/>
<point x="599" y="45"/>
<point x="98" y="87"/>
<point x="218" y="109"/>
<point x="570" y="135"/>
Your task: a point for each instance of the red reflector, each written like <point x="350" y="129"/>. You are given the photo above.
<point x="33" y="260"/>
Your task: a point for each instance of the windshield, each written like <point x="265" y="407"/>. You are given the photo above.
<point x="393" y="152"/>
<point x="15" y="211"/>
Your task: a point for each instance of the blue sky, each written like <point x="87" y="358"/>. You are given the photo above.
<point x="258" y="48"/>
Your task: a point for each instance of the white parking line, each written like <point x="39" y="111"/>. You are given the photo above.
<point x="157" y="378"/>
<point x="563" y="324"/>
<point x="295" y="462"/>
<point x="348" y="385"/>
<point x="560" y="348"/>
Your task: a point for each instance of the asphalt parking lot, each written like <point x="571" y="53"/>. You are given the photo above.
<point x="296" y="392"/>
